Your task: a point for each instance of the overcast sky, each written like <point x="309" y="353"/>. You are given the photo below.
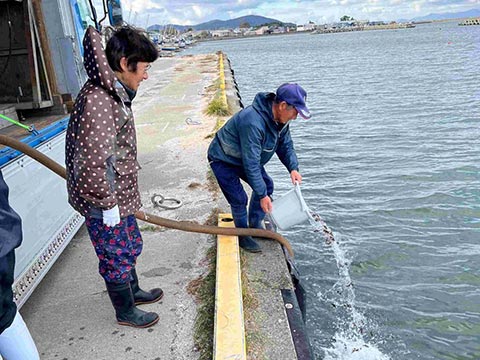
<point x="191" y="12"/>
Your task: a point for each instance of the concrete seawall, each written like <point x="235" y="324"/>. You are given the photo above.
<point x="70" y="315"/>
<point x="271" y="334"/>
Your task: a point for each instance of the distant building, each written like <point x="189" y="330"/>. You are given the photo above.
<point x="307" y="27"/>
<point x="262" y="31"/>
<point x="222" y="33"/>
<point x="344" y="24"/>
<point x="200" y="34"/>
<point x="278" y="30"/>
<point x="376" y="23"/>
<point x="310" y="26"/>
<point x="360" y="22"/>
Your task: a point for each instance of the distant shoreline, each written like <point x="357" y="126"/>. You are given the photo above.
<point x="319" y="32"/>
<point x="442" y="20"/>
<point x="253" y="36"/>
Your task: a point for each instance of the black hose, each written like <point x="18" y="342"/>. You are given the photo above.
<point x="105" y="12"/>
<point x="94" y="13"/>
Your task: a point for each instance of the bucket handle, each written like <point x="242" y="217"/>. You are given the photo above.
<point x="299" y="194"/>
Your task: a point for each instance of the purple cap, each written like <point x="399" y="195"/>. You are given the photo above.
<point x="293" y="94"/>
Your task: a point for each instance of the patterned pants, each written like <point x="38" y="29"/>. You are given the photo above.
<point x="117" y="247"/>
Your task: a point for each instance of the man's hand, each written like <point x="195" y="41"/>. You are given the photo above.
<point x="266" y="204"/>
<point x="111" y="217"/>
<point x="296" y="177"/>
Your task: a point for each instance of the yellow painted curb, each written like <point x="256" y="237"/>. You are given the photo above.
<point x="229" y="332"/>
<point x="222" y="80"/>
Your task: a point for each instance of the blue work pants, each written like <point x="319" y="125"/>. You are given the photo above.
<point x="228" y="177"/>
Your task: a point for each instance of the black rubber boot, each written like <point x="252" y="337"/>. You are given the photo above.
<point x="247" y="243"/>
<point x="143" y="297"/>
<point x="125" y="309"/>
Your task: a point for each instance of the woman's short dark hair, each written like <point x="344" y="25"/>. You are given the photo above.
<point x="132" y="44"/>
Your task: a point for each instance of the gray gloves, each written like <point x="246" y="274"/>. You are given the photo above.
<point x="111" y="217"/>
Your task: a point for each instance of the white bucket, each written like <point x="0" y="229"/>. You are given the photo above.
<point x="290" y="209"/>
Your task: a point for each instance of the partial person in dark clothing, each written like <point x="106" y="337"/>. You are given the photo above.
<point x="101" y="162"/>
<point x="16" y="343"/>
<point x="243" y="146"/>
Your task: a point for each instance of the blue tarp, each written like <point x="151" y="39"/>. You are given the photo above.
<point x="8" y="154"/>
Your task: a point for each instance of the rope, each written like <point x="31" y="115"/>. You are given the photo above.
<point x="189" y="121"/>
<point x="153" y="219"/>
<point x="158" y="201"/>
<point x="30" y="128"/>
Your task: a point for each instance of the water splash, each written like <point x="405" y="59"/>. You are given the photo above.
<point x="320" y="225"/>
<point x="349" y="342"/>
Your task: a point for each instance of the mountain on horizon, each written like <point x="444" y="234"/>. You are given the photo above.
<point x="446" y="16"/>
<point x="252" y="20"/>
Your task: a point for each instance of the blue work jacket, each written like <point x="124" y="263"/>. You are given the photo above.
<point x="10" y="223"/>
<point x="250" y="138"/>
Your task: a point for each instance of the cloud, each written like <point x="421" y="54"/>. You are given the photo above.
<point x="191" y="12"/>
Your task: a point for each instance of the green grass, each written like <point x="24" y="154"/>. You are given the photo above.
<point x="203" y="289"/>
<point x="217" y="107"/>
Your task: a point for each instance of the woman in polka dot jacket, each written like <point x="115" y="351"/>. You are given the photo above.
<point x="101" y="161"/>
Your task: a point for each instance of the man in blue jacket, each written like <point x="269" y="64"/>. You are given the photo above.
<point x="246" y="143"/>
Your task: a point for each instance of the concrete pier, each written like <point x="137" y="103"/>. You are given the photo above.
<point x="70" y="315"/>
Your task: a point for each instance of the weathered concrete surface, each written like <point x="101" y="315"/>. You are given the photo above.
<point x="69" y="314"/>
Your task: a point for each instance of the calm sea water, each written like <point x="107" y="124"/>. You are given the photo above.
<point x="391" y="161"/>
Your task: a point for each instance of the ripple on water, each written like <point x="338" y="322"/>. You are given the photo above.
<point x="390" y="160"/>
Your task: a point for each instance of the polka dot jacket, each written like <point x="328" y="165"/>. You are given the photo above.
<point x="101" y="145"/>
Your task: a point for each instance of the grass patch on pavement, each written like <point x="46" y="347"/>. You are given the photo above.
<point x="218" y="107"/>
<point x="203" y="290"/>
